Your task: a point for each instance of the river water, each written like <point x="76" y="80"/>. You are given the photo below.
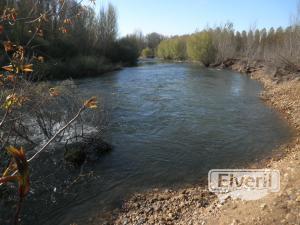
<point x="169" y="124"/>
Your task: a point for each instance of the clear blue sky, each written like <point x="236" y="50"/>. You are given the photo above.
<point x="171" y="17"/>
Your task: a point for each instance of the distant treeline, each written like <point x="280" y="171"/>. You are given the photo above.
<point x="212" y="46"/>
<point x="73" y="40"/>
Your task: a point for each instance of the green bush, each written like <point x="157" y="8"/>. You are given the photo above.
<point x="174" y="49"/>
<point x="200" y="48"/>
<point x="147" y="53"/>
<point x="128" y="50"/>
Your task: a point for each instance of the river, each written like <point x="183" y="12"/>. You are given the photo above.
<point x="169" y="124"/>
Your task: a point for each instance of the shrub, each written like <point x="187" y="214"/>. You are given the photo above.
<point x="172" y="49"/>
<point x="200" y="48"/>
<point x="129" y="51"/>
<point x="147" y="53"/>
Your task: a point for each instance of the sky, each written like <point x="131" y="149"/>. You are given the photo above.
<point x="176" y="17"/>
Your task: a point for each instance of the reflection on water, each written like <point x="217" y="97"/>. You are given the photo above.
<point x="169" y="124"/>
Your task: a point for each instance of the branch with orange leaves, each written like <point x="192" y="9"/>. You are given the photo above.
<point x="89" y="104"/>
<point x="7" y="106"/>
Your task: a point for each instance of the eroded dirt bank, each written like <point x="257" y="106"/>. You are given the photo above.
<point x="197" y="206"/>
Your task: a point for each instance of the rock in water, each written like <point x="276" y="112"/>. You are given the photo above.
<point x="95" y="148"/>
<point x="90" y="149"/>
<point x="75" y="153"/>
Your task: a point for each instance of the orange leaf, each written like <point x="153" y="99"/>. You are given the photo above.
<point x="27" y="68"/>
<point x="23" y="169"/>
<point x="11" y="167"/>
<point x="91" y="103"/>
<point x="4" y="180"/>
<point x="9" y="68"/>
<point x="14" y="100"/>
<point x="11" y="77"/>
<point x="67" y="21"/>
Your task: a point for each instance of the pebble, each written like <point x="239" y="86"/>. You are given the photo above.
<point x="181" y="196"/>
<point x="149" y="210"/>
<point x="263" y="206"/>
<point x="288" y="216"/>
<point x="235" y="222"/>
<point x="289" y="191"/>
<point x="157" y="208"/>
<point x="282" y="221"/>
<point x="290" y="204"/>
<point x="234" y="206"/>
<point x="153" y="200"/>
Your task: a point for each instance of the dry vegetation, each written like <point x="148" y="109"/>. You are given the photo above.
<point x="69" y="37"/>
<point x="213" y="46"/>
<point x="33" y="115"/>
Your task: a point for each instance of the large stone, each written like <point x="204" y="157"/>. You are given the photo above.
<point x="95" y="148"/>
<point x="90" y="149"/>
<point x="75" y="153"/>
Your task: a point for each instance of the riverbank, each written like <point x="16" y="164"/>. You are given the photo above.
<point x="77" y="67"/>
<point x="197" y="206"/>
